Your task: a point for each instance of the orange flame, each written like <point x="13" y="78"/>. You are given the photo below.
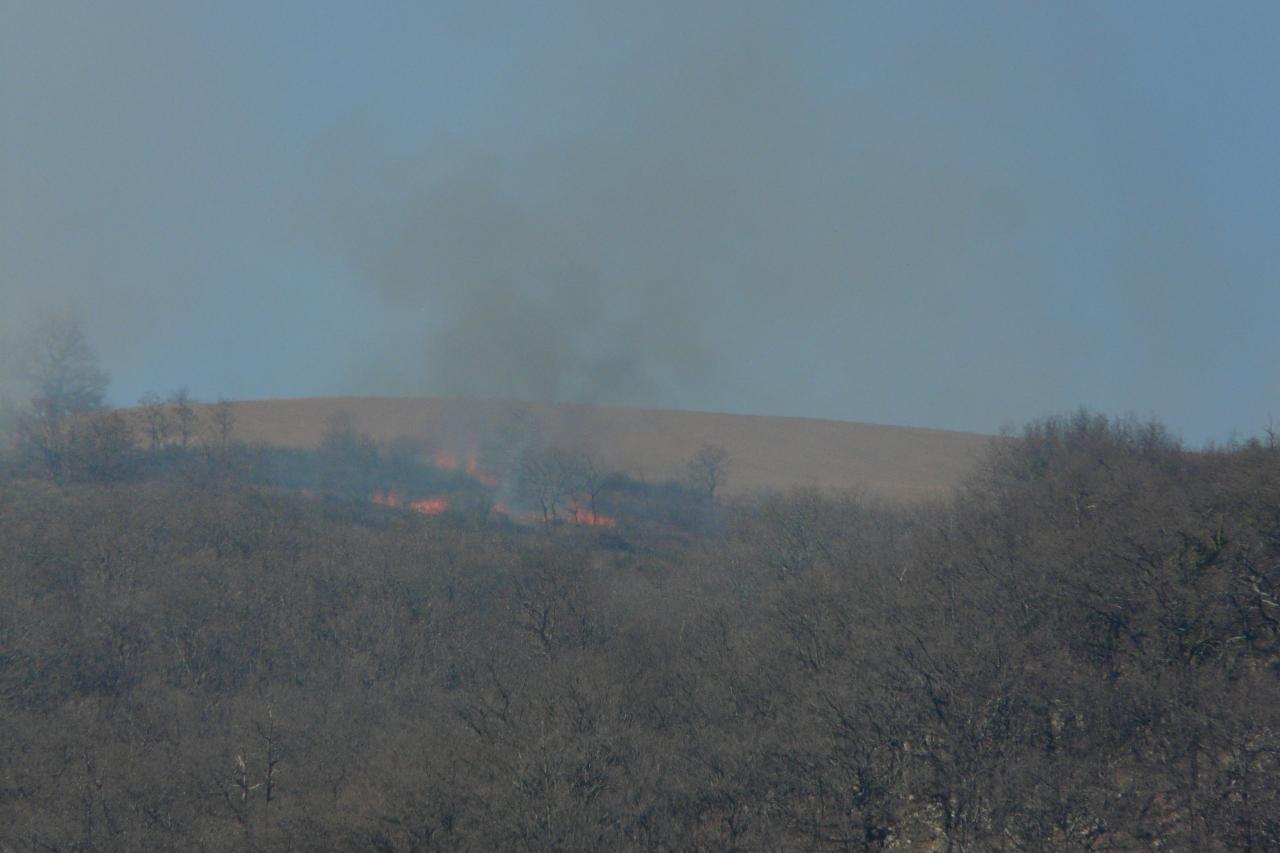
<point x="430" y="506"/>
<point x="427" y="506"/>
<point x="576" y="515"/>
<point x="448" y="460"/>
<point x="587" y="518"/>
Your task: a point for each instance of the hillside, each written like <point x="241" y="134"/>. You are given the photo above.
<point x="901" y="463"/>
<point x="1079" y="655"/>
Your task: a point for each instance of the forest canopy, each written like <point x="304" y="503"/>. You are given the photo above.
<point x="1078" y="650"/>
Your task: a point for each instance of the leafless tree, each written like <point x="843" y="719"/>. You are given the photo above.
<point x="222" y="423"/>
<point x="184" y="415"/>
<point x="546" y="479"/>
<point x="348" y="456"/>
<point x="156" y="418"/>
<point x="592" y="478"/>
<point x="101" y="447"/>
<point x="706" y="471"/>
<point x="62" y="370"/>
<point x="63" y="378"/>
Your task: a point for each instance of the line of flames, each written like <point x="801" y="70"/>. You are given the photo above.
<point x="587" y="518"/>
<point x="448" y="460"/>
<point x="426" y="506"/>
<point x="437" y="505"/>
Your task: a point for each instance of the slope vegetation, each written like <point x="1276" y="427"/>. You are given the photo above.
<point x="901" y="463"/>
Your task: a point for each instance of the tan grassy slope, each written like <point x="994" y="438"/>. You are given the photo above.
<point x="764" y="452"/>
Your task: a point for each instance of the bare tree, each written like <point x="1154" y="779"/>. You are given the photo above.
<point x="349" y="457"/>
<point x="156" y="418"/>
<point x="62" y="369"/>
<point x="223" y="425"/>
<point x="547" y="478"/>
<point x="184" y="416"/>
<point x="100" y="447"/>
<point x="62" y="374"/>
<point x="706" y="471"/>
<point x="592" y="479"/>
<point x="39" y="435"/>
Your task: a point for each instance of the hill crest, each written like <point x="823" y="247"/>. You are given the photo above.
<point x="765" y="452"/>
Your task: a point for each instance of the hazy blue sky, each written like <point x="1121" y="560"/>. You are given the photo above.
<point x="958" y="215"/>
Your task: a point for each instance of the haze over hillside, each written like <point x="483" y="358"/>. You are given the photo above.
<point x="933" y="214"/>
<point x="764" y="452"/>
<point x="374" y="598"/>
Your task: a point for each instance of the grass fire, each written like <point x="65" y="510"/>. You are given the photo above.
<point x="654" y="426"/>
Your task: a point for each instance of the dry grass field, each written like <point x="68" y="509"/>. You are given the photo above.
<point x="898" y="463"/>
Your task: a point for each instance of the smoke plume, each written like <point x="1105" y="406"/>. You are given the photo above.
<point x="894" y="214"/>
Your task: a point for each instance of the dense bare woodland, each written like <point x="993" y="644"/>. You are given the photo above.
<point x="213" y="646"/>
<point x="639" y="426"/>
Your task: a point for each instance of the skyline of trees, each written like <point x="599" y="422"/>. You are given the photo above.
<point x="1076" y="651"/>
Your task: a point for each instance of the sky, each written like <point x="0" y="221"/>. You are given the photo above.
<point x="961" y="216"/>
